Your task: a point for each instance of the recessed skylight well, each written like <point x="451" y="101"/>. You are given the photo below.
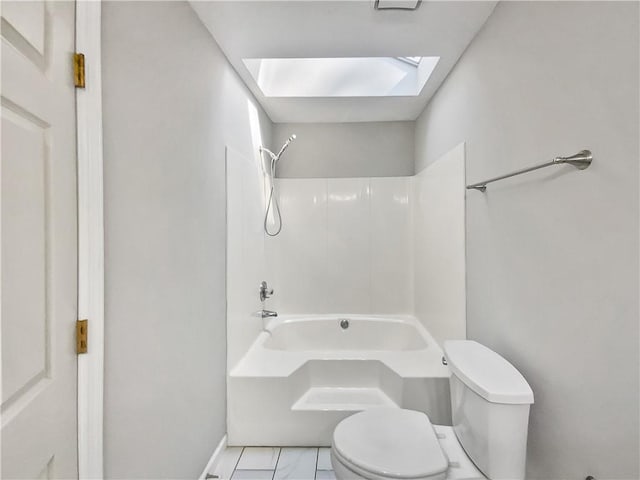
<point x="341" y="77"/>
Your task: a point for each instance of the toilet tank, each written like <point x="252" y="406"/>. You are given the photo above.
<point x="490" y="403"/>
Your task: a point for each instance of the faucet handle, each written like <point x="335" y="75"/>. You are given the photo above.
<point x="265" y="291"/>
<point x="265" y="314"/>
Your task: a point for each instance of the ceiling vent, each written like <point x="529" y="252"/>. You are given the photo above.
<point x="397" y="4"/>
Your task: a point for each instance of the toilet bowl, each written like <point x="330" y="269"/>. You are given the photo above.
<point x="392" y="443"/>
<point x="490" y="410"/>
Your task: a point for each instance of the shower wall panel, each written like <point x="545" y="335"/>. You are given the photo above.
<point x="438" y="199"/>
<point x="345" y="246"/>
<point x="245" y="251"/>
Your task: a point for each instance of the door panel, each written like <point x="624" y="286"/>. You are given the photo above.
<point x="39" y="241"/>
<point x="24" y="255"/>
<point x="28" y="18"/>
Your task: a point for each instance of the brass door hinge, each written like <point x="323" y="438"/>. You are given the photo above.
<point x="78" y="70"/>
<point x="82" y="336"/>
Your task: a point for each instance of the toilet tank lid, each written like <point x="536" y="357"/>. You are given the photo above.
<point x="487" y="373"/>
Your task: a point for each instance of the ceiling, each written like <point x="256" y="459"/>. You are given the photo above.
<point x="351" y="28"/>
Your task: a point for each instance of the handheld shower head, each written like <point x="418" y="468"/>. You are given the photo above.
<point x="274" y="157"/>
<point x="284" y="147"/>
<point x="272" y="202"/>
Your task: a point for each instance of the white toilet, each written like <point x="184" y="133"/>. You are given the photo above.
<point x="490" y="403"/>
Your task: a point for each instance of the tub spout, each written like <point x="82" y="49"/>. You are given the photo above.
<point x="267" y="314"/>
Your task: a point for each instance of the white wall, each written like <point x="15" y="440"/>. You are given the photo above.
<point x="171" y="105"/>
<point x="344" y="246"/>
<point x="330" y="150"/>
<point x="552" y="257"/>
<point x="438" y="267"/>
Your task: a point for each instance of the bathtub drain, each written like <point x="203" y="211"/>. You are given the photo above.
<point x="344" y="323"/>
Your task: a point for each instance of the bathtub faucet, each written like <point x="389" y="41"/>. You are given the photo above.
<point x="267" y="314"/>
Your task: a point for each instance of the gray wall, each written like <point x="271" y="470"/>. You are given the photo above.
<point x="171" y="104"/>
<point x="552" y="257"/>
<point x="330" y="150"/>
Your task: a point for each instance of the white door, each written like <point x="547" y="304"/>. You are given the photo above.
<point x="39" y="241"/>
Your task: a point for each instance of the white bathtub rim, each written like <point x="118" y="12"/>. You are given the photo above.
<point x="264" y="362"/>
<point x="293" y="318"/>
<point x="405" y="320"/>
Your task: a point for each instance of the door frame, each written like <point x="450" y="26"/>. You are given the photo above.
<point x="90" y="241"/>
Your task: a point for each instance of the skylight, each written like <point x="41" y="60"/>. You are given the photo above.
<point x="341" y="77"/>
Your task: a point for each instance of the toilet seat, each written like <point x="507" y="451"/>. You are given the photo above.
<point x="390" y="443"/>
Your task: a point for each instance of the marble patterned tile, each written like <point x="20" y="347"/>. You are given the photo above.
<point x="325" y="475"/>
<point x="258" y="458"/>
<point x="296" y="464"/>
<point x="226" y="465"/>
<point x="252" y="475"/>
<point x="324" y="459"/>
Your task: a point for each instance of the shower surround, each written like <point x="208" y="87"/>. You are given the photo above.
<point x="385" y="253"/>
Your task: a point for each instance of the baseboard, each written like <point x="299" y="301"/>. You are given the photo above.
<point x="214" y="458"/>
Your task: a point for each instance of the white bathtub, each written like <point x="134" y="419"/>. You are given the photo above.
<point x="331" y="333"/>
<point x="304" y="374"/>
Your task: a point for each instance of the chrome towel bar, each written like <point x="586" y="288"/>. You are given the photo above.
<point x="580" y="160"/>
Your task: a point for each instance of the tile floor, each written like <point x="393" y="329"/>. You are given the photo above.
<point x="274" y="463"/>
